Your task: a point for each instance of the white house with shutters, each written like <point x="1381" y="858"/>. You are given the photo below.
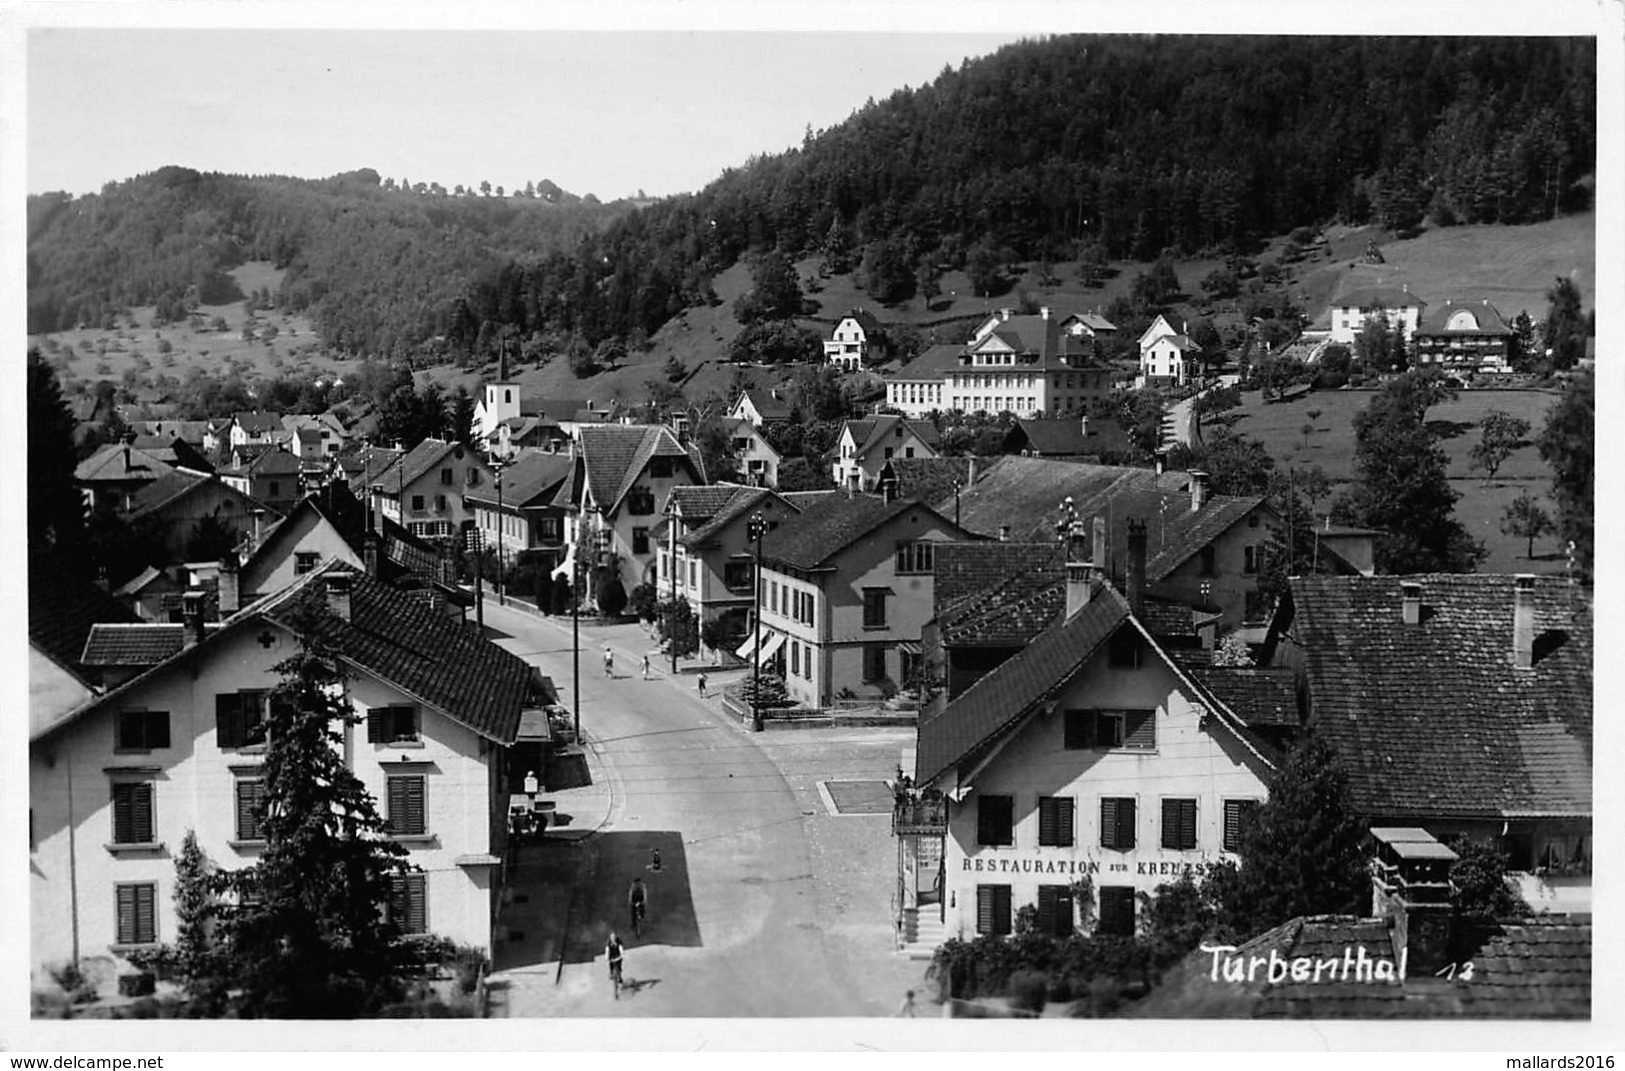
<point x="1091" y="754"/>
<point x="116" y="784"/>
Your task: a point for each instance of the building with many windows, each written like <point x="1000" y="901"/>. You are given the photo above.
<point x="622" y="475"/>
<point x="423" y="490"/>
<point x="1350" y="310"/>
<point x="857" y="340"/>
<point x="1463" y="336"/>
<point x="116" y="783"/>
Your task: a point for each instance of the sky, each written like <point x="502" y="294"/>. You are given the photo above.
<point x="608" y="113"/>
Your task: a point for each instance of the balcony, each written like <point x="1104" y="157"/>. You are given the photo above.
<point x="919" y="815"/>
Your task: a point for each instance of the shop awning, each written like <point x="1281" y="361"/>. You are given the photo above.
<point x="771" y="647"/>
<point x="909" y="647"/>
<point x="747" y="647"/>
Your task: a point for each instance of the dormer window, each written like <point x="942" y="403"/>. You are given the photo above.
<point x="660" y="468"/>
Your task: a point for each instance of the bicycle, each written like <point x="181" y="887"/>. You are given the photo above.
<point x="637" y="918"/>
<point x="615" y="977"/>
<point x="613" y="950"/>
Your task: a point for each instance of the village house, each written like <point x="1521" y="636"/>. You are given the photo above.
<point x="518" y="434"/>
<point x="1089" y="325"/>
<point x="171" y="508"/>
<point x="864" y="446"/>
<point x="190" y="432"/>
<point x="63" y="607"/>
<point x="1351" y="309"/>
<point x="761" y="407"/>
<point x="1083" y="771"/>
<point x="424" y="489"/>
<point x="505" y="401"/>
<point x="521" y="513"/>
<point x="257" y="427"/>
<point x="1458" y="703"/>
<point x="111" y="477"/>
<point x="1463" y="337"/>
<point x="270" y="474"/>
<point x="621" y="474"/>
<point x="846" y="588"/>
<point x="705" y="551"/>
<point x="116" y="784"/>
<point x="1101" y="440"/>
<point x="1166" y="354"/>
<point x="757" y="461"/>
<point x="320" y="435"/>
<point x="858" y="340"/>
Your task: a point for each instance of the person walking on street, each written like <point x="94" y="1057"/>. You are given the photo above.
<point x="609" y="662"/>
<point x="701" y="682"/>
<point x="645" y="667"/>
<point x="907" y="1011"/>
<point x="637" y="904"/>
<point x="613" y="951"/>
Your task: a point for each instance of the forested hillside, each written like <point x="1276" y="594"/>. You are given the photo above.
<point x="1069" y="148"/>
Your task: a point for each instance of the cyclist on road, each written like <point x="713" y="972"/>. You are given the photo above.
<point x="613" y="950"/>
<point x="637" y="904"/>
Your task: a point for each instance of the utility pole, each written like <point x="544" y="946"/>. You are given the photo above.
<point x="575" y="625"/>
<point x="756" y="530"/>
<point x="502" y="521"/>
<point x="671" y="613"/>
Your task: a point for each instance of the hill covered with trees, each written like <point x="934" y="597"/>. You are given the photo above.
<point x="1065" y="149"/>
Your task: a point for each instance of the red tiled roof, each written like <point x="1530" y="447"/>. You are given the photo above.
<point x="1487" y="321"/>
<point x="830" y="526"/>
<point x="132" y="645"/>
<point x="615" y="456"/>
<point x="62" y="608"/>
<point x="1434" y="719"/>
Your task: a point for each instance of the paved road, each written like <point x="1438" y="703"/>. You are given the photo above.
<point x="736" y="926"/>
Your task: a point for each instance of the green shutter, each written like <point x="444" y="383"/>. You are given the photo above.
<point x="1140" y="729"/>
<point x="126" y="914"/>
<point x="375" y="725"/>
<point x="229" y="728"/>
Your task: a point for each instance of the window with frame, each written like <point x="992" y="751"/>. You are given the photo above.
<point x="996" y="820"/>
<point x="1249" y="560"/>
<point x="874" y="662"/>
<point x="1237" y="815"/>
<point x="640" y="541"/>
<point x="276" y="489"/>
<point x="392" y="724"/>
<point x="445" y="477"/>
<point x="1055" y="821"/>
<point x="1209" y="556"/>
<point x="914" y="557"/>
<point x="1179" y="824"/>
<point x="440" y="503"/>
<point x="406" y="813"/>
<point x="409" y="903"/>
<point x="137" y="913"/>
<point x="1055" y="911"/>
<point x="133" y="817"/>
<point x="141" y="730"/>
<point x="993" y="909"/>
<point x="304" y="561"/>
<point x="795" y="659"/>
<point x="660" y="468"/>
<point x="640" y="502"/>
<point x="773" y="595"/>
<point x="417" y="503"/>
<point x="874" y="607"/>
<point x="736" y="576"/>
<point x="473" y="476"/>
<point x="693" y="574"/>
<point x="1133" y="729"/>
<point x="250" y="794"/>
<point x="1117" y="822"/>
<point x="1116" y="911"/>
<point x="239" y="718"/>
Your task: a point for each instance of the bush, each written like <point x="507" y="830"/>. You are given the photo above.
<point x="610" y="595"/>
<point x="1028" y="991"/>
<point x="644" y="602"/>
<point x="80" y="990"/>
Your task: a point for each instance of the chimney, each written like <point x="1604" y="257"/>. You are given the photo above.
<point x="369" y="553"/>
<point x="1083" y="426"/>
<point x="1136" y="566"/>
<point x="192" y="617"/>
<point x="1004" y="533"/>
<point x="338" y="594"/>
<point x="1198" y="490"/>
<point x="1410" y="592"/>
<point x="1079" y="586"/>
<point x="259" y="523"/>
<point x="1004" y="314"/>
<point x="1523" y="621"/>
<point x="1410" y="889"/>
<point x="1099" y="544"/>
<point x="228" y="591"/>
<point x="1043" y="312"/>
<point x="970" y="473"/>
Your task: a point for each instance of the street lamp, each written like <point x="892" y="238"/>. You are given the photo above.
<point x="756" y="530"/>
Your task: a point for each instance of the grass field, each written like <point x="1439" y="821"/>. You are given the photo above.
<point x="1480" y="507"/>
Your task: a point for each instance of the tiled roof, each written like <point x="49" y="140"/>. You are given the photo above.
<point x="866" y="320"/>
<point x="1373" y="297"/>
<point x="933" y="363"/>
<point x="62" y="608"/>
<point x="259" y="422"/>
<point x="132" y="645"/>
<point x="529" y="477"/>
<point x="1065" y="437"/>
<point x="398" y="637"/>
<point x="1433" y="719"/>
<point x="1003" y="697"/>
<point x="769" y="407"/>
<point x="190" y="431"/>
<point x="700" y="502"/>
<point x="961" y="569"/>
<point x="164" y="490"/>
<point x="825" y="529"/>
<point x="743" y="502"/>
<point x="615" y="456"/>
<point x="932" y="479"/>
<point x="1537" y="968"/>
<point x="1093" y="320"/>
<point x="272" y="461"/>
<point x="120" y="462"/>
<point x="1260" y="695"/>
<point x="1487" y="319"/>
<point x="1026" y="494"/>
<point x="553" y="410"/>
<point x="429" y="454"/>
<point x="804" y="499"/>
<point x="1010" y="612"/>
<point x="875" y="430"/>
<point x="375" y="462"/>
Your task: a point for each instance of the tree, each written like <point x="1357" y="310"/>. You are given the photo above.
<point x="675" y="369"/>
<point x="1402" y="487"/>
<point x="715" y="441"/>
<point x="775" y="292"/>
<point x="985" y="269"/>
<point x="308" y="935"/>
<point x="210" y="539"/>
<point x="1500" y="434"/>
<point x="56" y="511"/>
<point x="1567" y="443"/>
<point x="1374" y="345"/>
<point x="928" y="279"/>
<point x="644" y="602"/>
<point x="610" y="594"/>
<point x="1479" y="884"/>
<point x="818" y="393"/>
<point x="1302" y="852"/>
<point x="582" y="362"/>
<point x="1233" y="651"/>
<point x="1523" y="354"/>
<point x="679" y="627"/>
<point x="1219" y="284"/>
<point x="886" y="274"/>
<point x="1524" y="519"/>
<point x="800" y="474"/>
<point x="1565" y="329"/>
<point x="461" y="421"/>
<point x="1092" y="260"/>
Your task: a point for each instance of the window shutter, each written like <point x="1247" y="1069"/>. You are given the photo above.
<point x="1047" y="815"/>
<point x="1046" y="909"/>
<point x="1187" y="825"/>
<point x="398" y="901"/>
<point x="146" y="925"/>
<point x="417" y="905"/>
<point x="414" y="805"/>
<point x="141" y="826"/>
<point x="984" y="909"/>
<point x="229" y="727"/>
<point x="157" y="728"/>
<point x="1001" y="909"/>
<point x="1108" y="822"/>
<point x="1170" y="823"/>
<point x="397" y="800"/>
<point x="1125" y="823"/>
<point x="1063" y="911"/>
<point x="126" y="914"/>
<point x="1064" y="822"/>
<point x="1140" y="729"/>
<point x="375" y="725"/>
